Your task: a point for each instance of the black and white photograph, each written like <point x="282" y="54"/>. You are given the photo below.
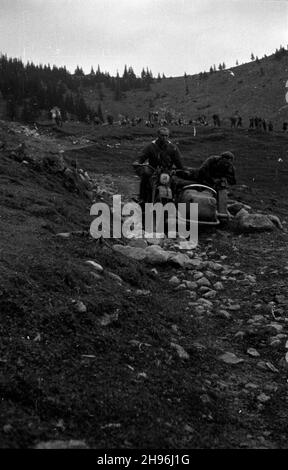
<point x="143" y="227"/>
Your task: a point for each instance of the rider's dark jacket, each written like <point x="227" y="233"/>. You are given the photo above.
<point x="165" y="156"/>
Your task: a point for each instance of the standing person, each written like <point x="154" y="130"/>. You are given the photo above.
<point x="251" y="123"/>
<point x="239" y="121"/>
<point x="160" y="152"/>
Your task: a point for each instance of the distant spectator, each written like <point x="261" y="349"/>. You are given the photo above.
<point x="251" y="123"/>
<point x="270" y="126"/>
<point x="239" y="122"/>
<point x="216" y="120"/>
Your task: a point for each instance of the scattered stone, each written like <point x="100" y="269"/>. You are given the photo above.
<point x="174" y="281"/>
<point x="190" y="285"/>
<point x="206" y="303"/>
<point x="205" y="399"/>
<point x="132" y="252"/>
<point x="274" y="342"/>
<point x="180" y="259"/>
<point x="154" y="271"/>
<point x="203" y="289"/>
<point x="7" y="428"/>
<point x="203" y="281"/>
<point x="258" y="318"/>
<point x="240" y="334"/>
<point x="251" y="385"/>
<point x="199" y="309"/>
<point x="95" y="265"/>
<point x="154" y="254"/>
<point x="188" y="429"/>
<point x="197" y="346"/>
<point x="210" y="295"/>
<point x="196" y="263"/>
<point x="218" y="286"/>
<point x="280" y="299"/>
<point x="198" y="275"/>
<point x="234" y="307"/>
<point x="114" y="276"/>
<point x="107" y="319"/>
<point x="143" y="375"/>
<point x="210" y="275"/>
<point x="138" y="243"/>
<point x="154" y="241"/>
<point x="63" y="234"/>
<point x="271" y="367"/>
<point x="187" y="245"/>
<point x="263" y="398"/>
<point x="142" y="292"/>
<point x="253" y="352"/>
<point x="275" y="326"/>
<point x="80" y="307"/>
<point x="181" y="286"/>
<point x="261" y="365"/>
<point x="181" y="351"/>
<point x="215" y="266"/>
<point x="225" y="314"/>
<point x="230" y="358"/>
<point x="236" y="272"/>
<point x="193" y="295"/>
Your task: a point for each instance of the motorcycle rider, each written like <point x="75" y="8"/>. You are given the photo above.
<point x="160" y="152"/>
<point x="218" y="168"/>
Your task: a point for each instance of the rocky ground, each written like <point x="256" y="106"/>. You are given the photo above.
<point x="102" y="350"/>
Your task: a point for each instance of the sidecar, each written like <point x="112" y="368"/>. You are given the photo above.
<point x="212" y="204"/>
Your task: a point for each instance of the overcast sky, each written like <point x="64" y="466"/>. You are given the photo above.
<point x="167" y="36"/>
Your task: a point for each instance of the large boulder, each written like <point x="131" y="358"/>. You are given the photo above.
<point x="249" y="223"/>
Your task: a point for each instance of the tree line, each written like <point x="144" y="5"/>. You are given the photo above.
<point x="31" y="89"/>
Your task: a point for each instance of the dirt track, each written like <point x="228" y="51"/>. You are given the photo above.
<point x="111" y="376"/>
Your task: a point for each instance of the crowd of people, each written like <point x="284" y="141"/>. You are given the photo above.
<point x="155" y="119"/>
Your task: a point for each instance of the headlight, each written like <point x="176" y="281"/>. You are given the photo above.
<point x="164" y="178"/>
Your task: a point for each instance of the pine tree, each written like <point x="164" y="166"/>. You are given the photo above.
<point x="78" y="71"/>
<point x="100" y="113"/>
<point x="118" y="91"/>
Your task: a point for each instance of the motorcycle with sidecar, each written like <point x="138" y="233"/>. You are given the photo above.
<point x="171" y="186"/>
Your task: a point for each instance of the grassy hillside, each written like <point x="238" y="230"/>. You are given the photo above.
<point x="254" y="88"/>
